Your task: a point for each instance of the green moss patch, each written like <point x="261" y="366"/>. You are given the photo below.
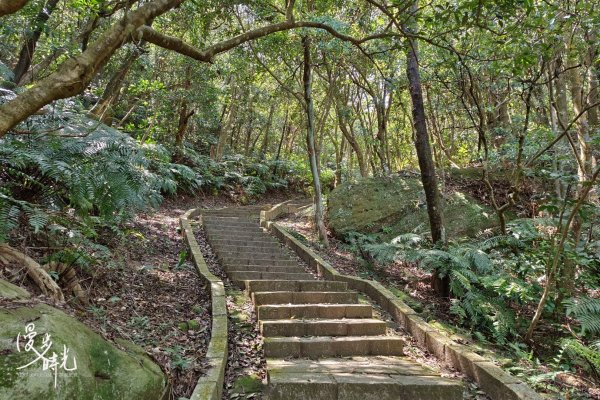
<point x="390" y="206"/>
<point x="103" y="370"/>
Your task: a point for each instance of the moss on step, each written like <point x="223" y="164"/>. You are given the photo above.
<point x="248" y="384"/>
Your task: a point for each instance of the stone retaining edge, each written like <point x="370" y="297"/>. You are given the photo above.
<point x="209" y="386"/>
<point x="499" y="385"/>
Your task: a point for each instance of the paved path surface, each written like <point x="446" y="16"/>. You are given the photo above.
<point x="320" y="342"/>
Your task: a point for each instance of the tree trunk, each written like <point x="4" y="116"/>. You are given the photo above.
<point x="82" y="37"/>
<point x="310" y="141"/>
<point x="26" y="54"/>
<point x="381" y="135"/>
<point x="225" y="130"/>
<point x="102" y="109"/>
<point x="282" y="139"/>
<point x="267" y="134"/>
<point x="184" y="119"/>
<point x="351" y="141"/>
<point x="424" y="155"/>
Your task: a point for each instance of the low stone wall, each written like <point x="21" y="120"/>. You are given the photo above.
<point x="276" y="211"/>
<point x="209" y="386"/>
<point x="498" y="384"/>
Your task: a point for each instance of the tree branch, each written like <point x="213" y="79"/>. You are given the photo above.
<point x="11" y="6"/>
<point x="208" y="53"/>
<point x="73" y="76"/>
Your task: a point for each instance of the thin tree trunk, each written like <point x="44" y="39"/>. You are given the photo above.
<point x="26" y="54"/>
<point x="82" y="37"/>
<point x="310" y="141"/>
<point x="267" y="134"/>
<point x="184" y="119"/>
<point x="424" y="155"/>
<point x="110" y="96"/>
<point x="381" y="135"/>
<point x="351" y="141"/>
<point x="225" y="131"/>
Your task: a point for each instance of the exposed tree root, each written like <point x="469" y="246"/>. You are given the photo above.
<point x="34" y="270"/>
<point x="68" y="280"/>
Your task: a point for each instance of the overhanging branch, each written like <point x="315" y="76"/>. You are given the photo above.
<point x="207" y="54"/>
<point x="11" y="6"/>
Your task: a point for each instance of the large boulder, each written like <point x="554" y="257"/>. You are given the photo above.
<point x="390" y="206"/>
<point x="103" y="370"/>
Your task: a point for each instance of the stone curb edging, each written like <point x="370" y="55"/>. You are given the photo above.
<point x="209" y="386"/>
<point x="498" y="384"/>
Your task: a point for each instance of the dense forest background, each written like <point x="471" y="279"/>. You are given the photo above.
<point x="107" y="107"/>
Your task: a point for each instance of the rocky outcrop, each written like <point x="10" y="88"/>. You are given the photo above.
<point x="103" y="371"/>
<point x="395" y="205"/>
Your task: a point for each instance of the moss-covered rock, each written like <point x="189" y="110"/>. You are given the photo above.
<point x="103" y="371"/>
<point x="12" y="292"/>
<point x="395" y="205"/>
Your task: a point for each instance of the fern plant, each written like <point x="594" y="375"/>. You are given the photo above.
<point x="586" y="311"/>
<point x="100" y="176"/>
<point x="576" y="353"/>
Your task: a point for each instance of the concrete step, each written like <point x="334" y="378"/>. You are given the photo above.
<point x="232" y="230"/>
<point x="232" y="212"/>
<point x="257" y="241"/>
<point x="230" y="224"/>
<point x="315" y="347"/>
<point x="323" y="327"/>
<point x="238" y="277"/>
<point x="228" y="220"/>
<point x="247" y="249"/>
<point x="263" y="298"/>
<point x="258" y="261"/>
<point x="265" y="268"/>
<point x="250" y="267"/>
<point x="241" y="238"/>
<point x="381" y="378"/>
<point x="298" y="286"/>
<point x="373" y="365"/>
<point x="283" y="311"/>
<point x="274" y="255"/>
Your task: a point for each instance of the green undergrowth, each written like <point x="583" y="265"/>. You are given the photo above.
<point x="493" y="279"/>
<point x="74" y="190"/>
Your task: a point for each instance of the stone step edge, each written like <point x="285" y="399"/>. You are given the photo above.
<point x="304" y="347"/>
<point x="300" y="386"/>
<point x="307" y="293"/>
<point x="318" y="308"/>
<point x="492" y="379"/>
<point x="210" y="385"/>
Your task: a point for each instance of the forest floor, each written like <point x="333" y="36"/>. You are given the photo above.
<point x="146" y="291"/>
<point x="413" y="285"/>
<point x="150" y="293"/>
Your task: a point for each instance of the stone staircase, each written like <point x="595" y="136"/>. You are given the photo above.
<point x="320" y="342"/>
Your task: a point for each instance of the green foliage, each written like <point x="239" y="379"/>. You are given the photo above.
<point x="101" y="178"/>
<point x="177" y="358"/>
<point x="587" y="313"/>
<point x="575" y="353"/>
<point x="97" y="176"/>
